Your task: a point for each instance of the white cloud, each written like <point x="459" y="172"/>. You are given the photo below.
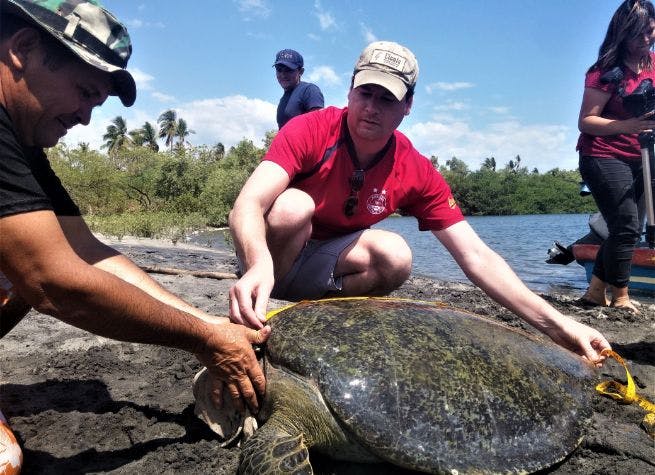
<point x="368" y="34"/>
<point x="499" y="110"/>
<point x="447" y="86"/>
<point x="141" y="78"/>
<point x="144" y="81"/>
<point x="164" y="98"/>
<point x="92" y="133"/>
<point x="258" y="35"/>
<point x="228" y="119"/>
<point x="139" y="117"/>
<point x="324" y="75"/>
<point x="452" y="106"/>
<point x="542" y="146"/>
<point x="325" y="18"/>
<point x="257" y="8"/>
<point x="134" y="23"/>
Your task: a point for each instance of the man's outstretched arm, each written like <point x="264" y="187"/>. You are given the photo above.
<point x="492" y="274"/>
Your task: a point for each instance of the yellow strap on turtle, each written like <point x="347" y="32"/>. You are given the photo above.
<point x="627" y="394"/>
<point x="271" y="313"/>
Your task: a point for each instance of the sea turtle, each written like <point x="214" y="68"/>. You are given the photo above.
<point x="415" y="384"/>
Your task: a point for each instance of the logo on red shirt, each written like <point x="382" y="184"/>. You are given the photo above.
<point x="377" y="202"/>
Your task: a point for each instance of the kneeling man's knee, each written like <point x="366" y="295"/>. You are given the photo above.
<point x="290" y="209"/>
<point x="393" y="260"/>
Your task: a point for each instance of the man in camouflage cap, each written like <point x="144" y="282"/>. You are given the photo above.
<point x="58" y="60"/>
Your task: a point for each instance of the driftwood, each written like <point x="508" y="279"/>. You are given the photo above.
<point x="196" y="273"/>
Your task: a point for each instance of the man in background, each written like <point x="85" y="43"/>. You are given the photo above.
<point x="299" y="97"/>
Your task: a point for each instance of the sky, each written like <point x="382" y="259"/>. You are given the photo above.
<point x="497" y="78"/>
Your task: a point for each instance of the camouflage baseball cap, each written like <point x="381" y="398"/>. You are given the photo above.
<point x="389" y="65"/>
<point x="89" y="31"/>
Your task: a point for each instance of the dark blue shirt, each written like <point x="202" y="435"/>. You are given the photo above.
<point x="302" y="98"/>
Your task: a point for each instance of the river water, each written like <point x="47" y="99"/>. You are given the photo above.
<point x="522" y="241"/>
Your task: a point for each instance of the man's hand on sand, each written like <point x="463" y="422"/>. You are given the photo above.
<point x="229" y="357"/>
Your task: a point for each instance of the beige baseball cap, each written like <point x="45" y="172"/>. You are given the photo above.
<point x="389" y="65"/>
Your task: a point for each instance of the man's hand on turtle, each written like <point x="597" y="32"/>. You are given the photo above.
<point x="249" y="298"/>
<point x="582" y="339"/>
<point x="229" y="357"/>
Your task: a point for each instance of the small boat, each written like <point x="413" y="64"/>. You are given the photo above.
<point x="584" y="250"/>
<point x="642" y="274"/>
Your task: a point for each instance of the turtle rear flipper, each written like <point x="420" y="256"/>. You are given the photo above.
<point x="273" y="450"/>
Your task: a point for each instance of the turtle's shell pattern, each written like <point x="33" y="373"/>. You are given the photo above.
<point x="436" y="389"/>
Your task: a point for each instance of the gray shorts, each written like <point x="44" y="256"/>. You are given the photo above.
<point x="312" y="273"/>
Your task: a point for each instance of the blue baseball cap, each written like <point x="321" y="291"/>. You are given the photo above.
<point x="289" y="58"/>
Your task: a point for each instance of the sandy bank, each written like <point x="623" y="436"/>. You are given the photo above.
<point x="81" y="403"/>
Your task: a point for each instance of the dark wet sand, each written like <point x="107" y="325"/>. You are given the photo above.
<point x="84" y="404"/>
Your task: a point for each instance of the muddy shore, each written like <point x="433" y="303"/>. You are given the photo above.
<point x="79" y="403"/>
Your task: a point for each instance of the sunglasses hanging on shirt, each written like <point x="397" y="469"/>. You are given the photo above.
<point x="356" y="180"/>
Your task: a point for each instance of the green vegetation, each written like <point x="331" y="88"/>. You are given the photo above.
<point x="135" y="189"/>
<point x="513" y="189"/>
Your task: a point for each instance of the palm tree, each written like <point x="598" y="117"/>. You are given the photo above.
<point x="514" y="166"/>
<point x="168" y="127"/>
<point x="489" y="163"/>
<point x="219" y="150"/>
<point x="149" y="134"/>
<point x="146" y="136"/>
<point x="116" y="136"/>
<point x="182" y="132"/>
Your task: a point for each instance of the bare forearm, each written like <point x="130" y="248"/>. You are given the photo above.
<point x="249" y="233"/>
<point x="103" y="304"/>
<point x="492" y="274"/>
<point x="600" y="126"/>
<point x="495" y="277"/>
<point x="123" y="268"/>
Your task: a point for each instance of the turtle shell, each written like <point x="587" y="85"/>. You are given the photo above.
<point x="436" y="389"/>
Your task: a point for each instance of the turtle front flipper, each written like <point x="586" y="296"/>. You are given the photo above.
<point x="273" y="450"/>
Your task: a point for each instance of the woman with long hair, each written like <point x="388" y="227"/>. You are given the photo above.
<point x="610" y="157"/>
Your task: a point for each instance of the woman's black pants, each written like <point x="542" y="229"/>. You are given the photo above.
<point x="616" y="185"/>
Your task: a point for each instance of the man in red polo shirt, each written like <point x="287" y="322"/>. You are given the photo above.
<point x="301" y="224"/>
